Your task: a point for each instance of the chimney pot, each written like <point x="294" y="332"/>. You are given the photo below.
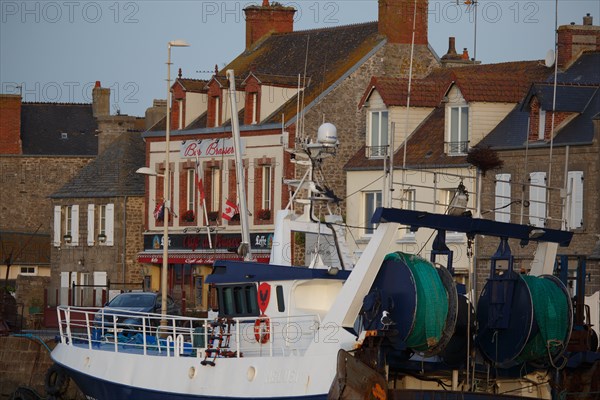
<point x="465" y="54"/>
<point x="588" y="20"/>
<point x="97" y="84"/>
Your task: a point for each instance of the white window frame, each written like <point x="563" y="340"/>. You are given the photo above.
<point x="381" y="138"/>
<point x="254" y="107"/>
<point x="542" y="124"/>
<point x="217" y="110"/>
<point x="30" y="271"/>
<point x="102" y="219"/>
<point x="215" y="188"/>
<point x="191" y="190"/>
<point x="574" y="212"/>
<point x="267" y="176"/>
<point x="502" y="198"/>
<point x="459" y="134"/>
<point x="537" y="199"/>
<point x="371" y="200"/>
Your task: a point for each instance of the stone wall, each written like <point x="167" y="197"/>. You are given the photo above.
<point x="580" y="158"/>
<point x="24" y="362"/>
<point x="340" y="106"/>
<point x="118" y="260"/>
<point x="30" y="292"/>
<point x="25" y="184"/>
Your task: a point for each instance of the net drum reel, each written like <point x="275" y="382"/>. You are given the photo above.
<point x="524" y="319"/>
<point x="415" y="300"/>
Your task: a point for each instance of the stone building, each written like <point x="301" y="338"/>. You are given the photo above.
<point x="287" y="84"/>
<point x="97" y="224"/>
<point x="42" y="146"/>
<point x="551" y="154"/>
<point x="451" y="110"/>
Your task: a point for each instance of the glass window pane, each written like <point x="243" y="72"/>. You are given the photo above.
<point x="454" y="125"/>
<point x="464" y="124"/>
<point x="384" y="129"/>
<point x="374" y="129"/>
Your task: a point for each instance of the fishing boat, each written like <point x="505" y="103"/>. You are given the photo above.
<point x="387" y="325"/>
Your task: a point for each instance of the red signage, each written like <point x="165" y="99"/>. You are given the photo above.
<point x="264" y="295"/>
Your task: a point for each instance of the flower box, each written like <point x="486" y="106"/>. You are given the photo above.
<point x="188" y="216"/>
<point x="264" y="214"/>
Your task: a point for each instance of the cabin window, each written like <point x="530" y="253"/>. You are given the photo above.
<point x="280" y="298"/>
<point x="502" y="199"/>
<point x="458" y="130"/>
<point x="372" y="200"/>
<point x="574" y="200"/>
<point x="377" y="134"/>
<point x="537" y="199"/>
<point x="237" y="300"/>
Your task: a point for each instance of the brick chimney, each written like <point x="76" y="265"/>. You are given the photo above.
<point x="100" y="101"/>
<point x="10" y="124"/>
<point x="267" y="19"/>
<point x="396" y="20"/>
<point x="573" y="39"/>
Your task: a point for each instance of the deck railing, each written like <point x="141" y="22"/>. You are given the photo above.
<point x="107" y="329"/>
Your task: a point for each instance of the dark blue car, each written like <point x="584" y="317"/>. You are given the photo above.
<point x="125" y="308"/>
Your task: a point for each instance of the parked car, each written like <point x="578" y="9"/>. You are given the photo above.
<point x="128" y="309"/>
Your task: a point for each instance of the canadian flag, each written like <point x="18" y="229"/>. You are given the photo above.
<point x="229" y="210"/>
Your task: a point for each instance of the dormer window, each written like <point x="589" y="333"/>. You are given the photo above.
<point x="377" y="134"/>
<point x="457" y="130"/>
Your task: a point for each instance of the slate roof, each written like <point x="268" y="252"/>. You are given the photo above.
<point x="569" y="98"/>
<point x="193" y="85"/>
<point x="572" y="95"/>
<point x="112" y="173"/>
<point x="43" y="125"/>
<point x="425" y="148"/>
<point x="327" y="53"/>
<point x="499" y="83"/>
<point x="584" y="71"/>
<point x="424" y="92"/>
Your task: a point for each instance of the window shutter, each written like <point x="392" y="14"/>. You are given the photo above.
<point x="57" y="225"/>
<point x="75" y="225"/>
<point x="575" y="202"/>
<point x="537" y="199"/>
<point x="110" y="224"/>
<point x="99" y="280"/>
<point x="91" y="213"/>
<point x="65" y="284"/>
<point x="502" y="198"/>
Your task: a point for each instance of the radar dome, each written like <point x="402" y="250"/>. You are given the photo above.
<point x="327" y="134"/>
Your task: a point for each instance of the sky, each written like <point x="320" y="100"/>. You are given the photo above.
<point x="54" y="51"/>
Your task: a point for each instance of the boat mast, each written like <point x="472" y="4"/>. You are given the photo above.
<point x="244" y="250"/>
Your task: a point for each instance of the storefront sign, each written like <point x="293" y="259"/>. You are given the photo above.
<point x="207" y="148"/>
<point x="199" y="241"/>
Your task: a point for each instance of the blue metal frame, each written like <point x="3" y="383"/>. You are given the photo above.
<point x="471" y="226"/>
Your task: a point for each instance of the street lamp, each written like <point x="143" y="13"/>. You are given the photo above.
<point x="167" y="186"/>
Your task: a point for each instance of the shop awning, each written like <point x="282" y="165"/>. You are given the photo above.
<point x="196" y="257"/>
